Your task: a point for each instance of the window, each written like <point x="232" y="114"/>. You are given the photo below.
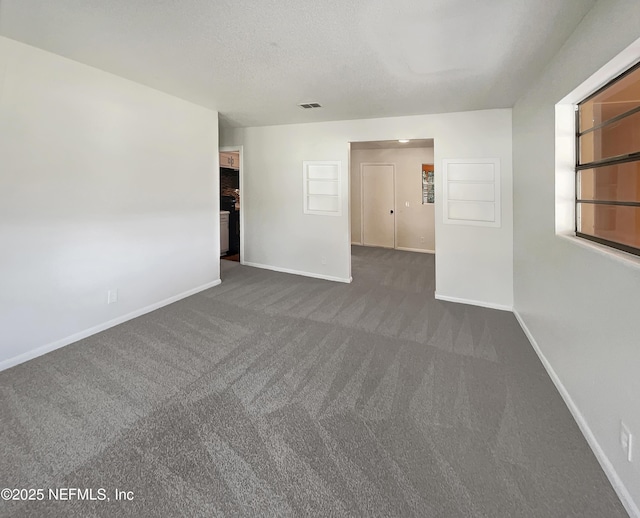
<point x="608" y="164"/>
<point x="428" y="184"/>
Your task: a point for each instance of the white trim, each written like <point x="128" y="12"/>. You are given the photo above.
<point x="359" y="243"/>
<point x="34" y="353"/>
<point x="378" y="246"/>
<point x="299" y="272"/>
<point x="491" y="305"/>
<point x="605" y="463"/>
<point x="421" y="250"/>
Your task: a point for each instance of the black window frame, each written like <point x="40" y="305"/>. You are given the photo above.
<point x="620" y="159"/>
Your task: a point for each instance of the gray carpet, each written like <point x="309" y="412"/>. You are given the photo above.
<point x="278" y="395"/>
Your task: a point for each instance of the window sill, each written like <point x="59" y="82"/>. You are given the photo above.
<point x="629" y="260"/>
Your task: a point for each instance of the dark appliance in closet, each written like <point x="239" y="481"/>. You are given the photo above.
<point x="229" y="203"/>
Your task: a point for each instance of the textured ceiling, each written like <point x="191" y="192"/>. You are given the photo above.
<point x="254" y="61"/>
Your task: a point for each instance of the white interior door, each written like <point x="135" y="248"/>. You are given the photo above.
<point x="378" y="218"/>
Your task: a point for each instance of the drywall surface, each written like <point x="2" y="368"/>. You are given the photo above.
<point x="230" y="136"/>
<point x="415" y="224"/>
<point x="473" y="263"/>
<point x="104" y="184"/>
<point x="580" y="306"/>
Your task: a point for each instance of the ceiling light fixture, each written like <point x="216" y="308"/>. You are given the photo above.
<point x="403" y="140"/>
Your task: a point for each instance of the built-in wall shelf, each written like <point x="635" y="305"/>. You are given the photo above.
<point x="471" y="192"/>
<point x="322" y="193"/>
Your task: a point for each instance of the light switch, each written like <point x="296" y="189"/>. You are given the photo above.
<point x="112" y="296"/>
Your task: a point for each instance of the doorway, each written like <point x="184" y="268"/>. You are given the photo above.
<point x="392" y="197"/>
<point x="231" y="235"/>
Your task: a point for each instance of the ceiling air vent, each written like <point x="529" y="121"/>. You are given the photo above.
<point x="307" y="106"/>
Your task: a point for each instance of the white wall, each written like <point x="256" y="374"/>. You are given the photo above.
<point x="104" y="183"/>
<point x="473" y="263"/>
<point x="415" y="225"/>
<point x="580" y="306"/>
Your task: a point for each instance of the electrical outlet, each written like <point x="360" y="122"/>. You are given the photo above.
<point x="626" y="440"/>
<point x="422" y="239"/>
<point x="112" y="296"/>
<point x="406" y="203"/>
<point x="323" y="260"/>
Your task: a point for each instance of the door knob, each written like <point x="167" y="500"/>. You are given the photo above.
<point x="391" y="212"/>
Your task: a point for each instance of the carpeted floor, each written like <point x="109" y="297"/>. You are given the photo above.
<point x="278" y="395"/>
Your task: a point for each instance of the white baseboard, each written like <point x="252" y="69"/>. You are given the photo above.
<point x="298" y="272"/>
<point x="481" y="303"/>
<point x="420" y="250"/>
<point x="34" y="353"/>
<point x="359" y="243"/>
<point x="605" y="463"/>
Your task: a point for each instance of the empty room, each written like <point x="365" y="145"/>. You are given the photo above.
<point x="448" y="332"/>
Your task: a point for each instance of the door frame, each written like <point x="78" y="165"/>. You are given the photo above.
<point x="395" y="220"/>
<point x="241" y="189"/>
